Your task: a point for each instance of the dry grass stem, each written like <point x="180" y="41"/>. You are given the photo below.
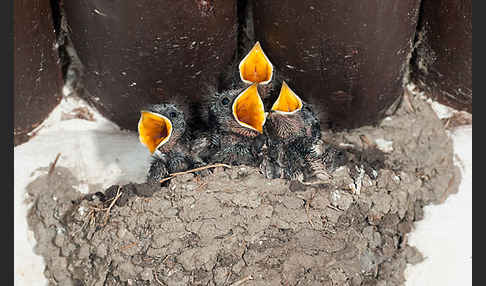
<point x="406" y="97"/>
<point x="334" y="208"/>
<point x="239" y="282"/>
<point x="193" y="170"/>
<point x="107" y="213"/>
<point x="307" y="206"/>
<point x="53" y="165"/>
<point x="157" y="279"/>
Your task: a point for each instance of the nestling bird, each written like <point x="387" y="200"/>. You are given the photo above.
<point x="236" y="117"/>
<point x="254" y="68"/>
<point x="163" y="130"/>
<point x="293" y="138"/>
<point x="293" y="148"/>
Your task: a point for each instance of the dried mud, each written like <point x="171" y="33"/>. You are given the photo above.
<point x="234" y="227"/>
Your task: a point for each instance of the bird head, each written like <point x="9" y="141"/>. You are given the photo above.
<point x="160" y="125"/>
<point x="288" y="102"/>
<point x="239" y="111"/>
<point x="255" y="67"/>
<point x="285" y="119"/>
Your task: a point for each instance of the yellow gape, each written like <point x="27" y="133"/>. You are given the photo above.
<point x="287" y="101"/>
<point x="248" y="109"/>
<point x="153" y="130"/>
<point x="255" y="67"/>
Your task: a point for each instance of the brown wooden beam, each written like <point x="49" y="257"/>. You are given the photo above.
<point x="147" y="51"/>
<point x="346" y="57"/>
<point x="37" y="72"/>
<point x="442" y="63"/>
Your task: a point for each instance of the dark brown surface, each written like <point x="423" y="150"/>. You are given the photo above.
<point x="37" y="74"/>
<point x="347" y="55"/>
<point x="442" y="64"/>
<point x="147" y="51"/>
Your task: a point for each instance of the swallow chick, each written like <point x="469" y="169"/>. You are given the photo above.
<point x="293" y="138"/>
<point x="237" y="117"/>
<point x="162" y="129"/>
<point x="254" y="68"/>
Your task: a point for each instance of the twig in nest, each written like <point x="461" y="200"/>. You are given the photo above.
<point x="193" y="170"/>
<point x="107" y="210"/>
<point x="307" y="206"/>
<point x="89" y="217"/>
<point x="91" y="214"/>
<point x="157" y="279"/>
<point x="201" y="186"/>
<point x="366" y="140"/>
<point x="227" y="277"/>
<point x="239" y="282"/>
<point x="128" y="246"/>
<point x="334" y="208"/>
<point x="165" y="259"/>
<point x="107" y="213"/>
<point x="406" y="97"/>
<point x="314" y="183"/>
<point x="53" y="165"/>
<point x="447" y="122"/>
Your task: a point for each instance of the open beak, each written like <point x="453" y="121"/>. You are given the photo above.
<point x="248" y="109"/>
<point x="153" y="130"/>
<point x="256" y="67"/>
<point x="287" y="102"/>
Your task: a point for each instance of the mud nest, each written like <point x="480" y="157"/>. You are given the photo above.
<point x="234" y="227"/>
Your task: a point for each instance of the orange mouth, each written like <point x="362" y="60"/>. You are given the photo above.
<point x="248" y="109"/>
<point x="153" y="130"/>
<point x="287" y="101"/>
<point x="256" y="67"/>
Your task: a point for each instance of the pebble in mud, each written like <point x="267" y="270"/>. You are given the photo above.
<point x="147" y="274"/>
<point x="233" y="223"/>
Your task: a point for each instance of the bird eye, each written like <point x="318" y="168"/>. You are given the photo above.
<point x="173" y="115"/>
<point x="225" y="101"/>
